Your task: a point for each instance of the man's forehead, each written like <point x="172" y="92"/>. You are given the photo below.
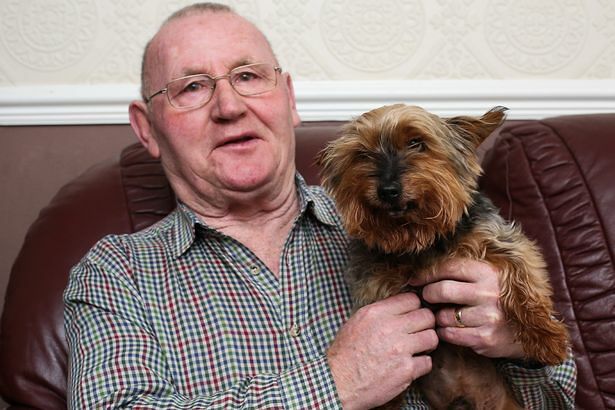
<point x="211" y="27"/>
<point x="221" y="36"/>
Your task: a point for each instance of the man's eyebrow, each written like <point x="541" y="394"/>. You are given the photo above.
<point x="194" y="71"/>
<point x="190" y="71"/>
<point x="241" y="62"/>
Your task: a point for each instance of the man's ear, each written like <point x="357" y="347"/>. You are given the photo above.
<point x="140" y="123"/>
<point x="292" y="100"/>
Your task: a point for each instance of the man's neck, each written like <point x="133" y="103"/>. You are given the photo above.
<point x="263" y="228"/>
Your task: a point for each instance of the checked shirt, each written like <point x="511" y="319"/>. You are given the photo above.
<point x="180" y="316"/>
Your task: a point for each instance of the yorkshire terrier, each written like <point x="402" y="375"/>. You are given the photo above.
<point x="405" y="184"/>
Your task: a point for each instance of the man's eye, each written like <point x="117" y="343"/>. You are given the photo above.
<point x="245" y="76"/>
<point x="193" y="87"/>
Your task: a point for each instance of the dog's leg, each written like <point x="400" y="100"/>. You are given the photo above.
<point x="526" y="301"/>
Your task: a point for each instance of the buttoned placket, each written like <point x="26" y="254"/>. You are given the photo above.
<point x="253" y="272"/>
<point x="286" y="295"/>
<point x="294" y="288"/>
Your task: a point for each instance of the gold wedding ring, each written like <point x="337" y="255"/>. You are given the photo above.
<point x="458" y="320"/>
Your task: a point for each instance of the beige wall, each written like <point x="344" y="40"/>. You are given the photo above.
<point x="100" y="41"/>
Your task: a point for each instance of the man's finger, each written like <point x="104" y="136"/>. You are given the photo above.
<point x="422" y="365"/>
<point x="459" y="269"/>
<point x="400" y="304"/>
<point x="419" y="320"/>
<point x="450" y="291"/>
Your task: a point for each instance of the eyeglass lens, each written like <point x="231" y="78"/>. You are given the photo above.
<point x="196" y="90"/>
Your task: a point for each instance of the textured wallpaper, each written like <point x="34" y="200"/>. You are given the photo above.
<point x="101" y="41"/>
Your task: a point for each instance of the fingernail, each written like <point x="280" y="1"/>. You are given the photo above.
<point x="413" y="281"/>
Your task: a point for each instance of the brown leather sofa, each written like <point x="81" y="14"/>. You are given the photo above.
<point x="556" y="177"/>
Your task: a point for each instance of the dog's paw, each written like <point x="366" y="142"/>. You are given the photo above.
<point x="547" y="344"/>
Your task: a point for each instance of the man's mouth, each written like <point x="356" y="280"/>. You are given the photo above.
<point x="236" y="140"/>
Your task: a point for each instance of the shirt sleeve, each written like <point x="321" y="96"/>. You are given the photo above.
<point x="547" y="387"/>
<point x="116" y="361"/>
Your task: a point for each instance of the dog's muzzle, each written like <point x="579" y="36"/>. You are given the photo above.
<point x="390" y="192"/>
<point x="392" y="200"/>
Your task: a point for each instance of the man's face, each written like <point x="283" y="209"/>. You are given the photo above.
<point x="233" y="144"/>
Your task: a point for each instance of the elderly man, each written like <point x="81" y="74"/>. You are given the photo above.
<point x="236" y="299"/>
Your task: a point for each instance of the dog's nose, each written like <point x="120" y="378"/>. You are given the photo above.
<point x="389" y="192"/>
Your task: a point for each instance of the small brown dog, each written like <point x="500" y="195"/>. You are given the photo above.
<point x="405" y="184"/>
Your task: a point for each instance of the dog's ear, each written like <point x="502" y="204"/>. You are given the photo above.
<point x="477" y="129"/>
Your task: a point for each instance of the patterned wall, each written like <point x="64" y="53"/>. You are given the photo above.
<point x="100" y="41"/>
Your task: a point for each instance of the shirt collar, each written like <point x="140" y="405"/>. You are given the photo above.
<point x="314" y="201"/>
<point x="184" y="229"/>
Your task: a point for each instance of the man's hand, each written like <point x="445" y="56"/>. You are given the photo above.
<point x="474" y="287"/>
<point x="380" y="351"/>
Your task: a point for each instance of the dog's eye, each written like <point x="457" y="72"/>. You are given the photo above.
<point x="364" y="155"/>
<point x="416" y="144"/>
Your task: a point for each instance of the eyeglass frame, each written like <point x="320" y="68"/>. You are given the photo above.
<point x="276" y="69"/>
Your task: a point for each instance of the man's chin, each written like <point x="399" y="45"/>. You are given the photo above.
<point x="247" y="180"/>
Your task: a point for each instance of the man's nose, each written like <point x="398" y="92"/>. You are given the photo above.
<point x="227" y="104"/>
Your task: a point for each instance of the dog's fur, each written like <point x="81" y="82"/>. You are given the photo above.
<point x="405" y="184"/>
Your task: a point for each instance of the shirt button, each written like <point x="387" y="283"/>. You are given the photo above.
<point x="295" y="330"/>
<point x="255" y="270"/>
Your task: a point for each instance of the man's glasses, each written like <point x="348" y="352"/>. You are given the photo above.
<point x="194" y="91"/>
